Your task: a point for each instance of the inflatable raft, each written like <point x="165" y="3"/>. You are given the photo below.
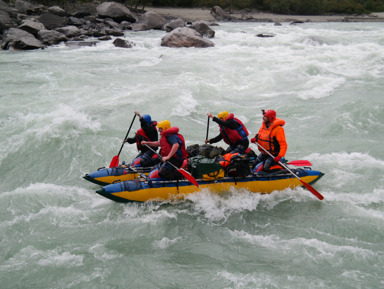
<point x="105" y="176"/>
<point x="145" y="189"/>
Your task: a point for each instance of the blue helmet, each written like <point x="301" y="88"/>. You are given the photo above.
<point x="147" y="118"/>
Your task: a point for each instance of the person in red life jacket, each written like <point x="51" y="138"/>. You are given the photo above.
<point x="172" y="149"/>
<point x="232" y="131"/>
<point x="271" y="137"/>
<point x="147" y="132"/>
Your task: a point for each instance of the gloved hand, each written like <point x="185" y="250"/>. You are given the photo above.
<point x="277" y="159"/>
<point x="253" y="140"/>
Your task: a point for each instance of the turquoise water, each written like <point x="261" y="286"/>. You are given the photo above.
<point x="64" y="112"/>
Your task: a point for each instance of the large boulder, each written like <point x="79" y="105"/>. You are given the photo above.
<point x="69" y="31"/>
<point x="116" y="11"/>
<point x="173" y="24"/>
<point x="7" y="8"/>
<point x="153" y="20"/>
<point x="51" y="37"/>
<point x="220" y="14"/>
<point x="185" y="37"/>
<point x="56" y="10"/>
<point x="203" y="28"/>
<point x="27" y="8"/>
<point x="16" y="38"/>
<point x="122" y="43"/>
<point x="31" y="26"/>
<point x="52" y="21"/>
<point x="5" y="21"/>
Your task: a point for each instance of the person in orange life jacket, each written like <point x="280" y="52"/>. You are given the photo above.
<point x="146" y="132"/>
<point x="172" y="149"/>
<point x="232" y="131"/>
<point x="271" y="137"/>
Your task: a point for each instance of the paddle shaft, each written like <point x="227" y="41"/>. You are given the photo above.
<point x="308" y="186"/>
<point x="140" y="174"/>
<point x="127" y="134"/>
<point x="187" y="175"/>
<point x="161" y="156"/>
<point x="207" y="128"/>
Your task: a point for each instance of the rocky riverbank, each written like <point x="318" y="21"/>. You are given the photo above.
<point x="26" y="26"/>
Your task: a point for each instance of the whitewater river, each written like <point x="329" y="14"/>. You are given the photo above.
<point x="65" y="111"/>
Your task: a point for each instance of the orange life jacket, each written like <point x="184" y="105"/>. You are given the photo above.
<point x="272" y="138"/>
<point x="227" y="159"/>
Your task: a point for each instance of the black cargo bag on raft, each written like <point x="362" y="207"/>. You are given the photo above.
<point x="211" y="151"/>
<point x="193" y="150"/>
<point x="200" y="167"/>
<point x="238" y="167"/>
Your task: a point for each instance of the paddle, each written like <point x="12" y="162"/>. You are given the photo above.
<point x="207" y="128"/>
<point x="115" y="160"/>
<point x="300" y="163"/>
<point x="308" y="186"/>
<point x="137" y="172"/>
<point x="187" y="175"/>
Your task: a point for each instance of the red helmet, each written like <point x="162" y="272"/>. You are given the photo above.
<point x="271" y="114"/>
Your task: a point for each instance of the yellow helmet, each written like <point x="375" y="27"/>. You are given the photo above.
<point x="223" y="114"/>
<point x="164" y="124"/>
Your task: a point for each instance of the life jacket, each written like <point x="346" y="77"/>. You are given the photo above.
<point x="141" y="135"/>
<point x="166" y="147"/>
<point x="232" y="136"/>
<point x="227" y="159"/>
<point x="272" y="138"/>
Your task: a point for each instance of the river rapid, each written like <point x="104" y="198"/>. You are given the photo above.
<point x="64" y="113"/>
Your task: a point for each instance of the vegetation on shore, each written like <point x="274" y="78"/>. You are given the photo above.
<point x="299" y="7"/>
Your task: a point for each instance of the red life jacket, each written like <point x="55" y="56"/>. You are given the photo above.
<point x="232" y="136"/>
<point x="141" y="135"/>
<point x="165" y="146"/>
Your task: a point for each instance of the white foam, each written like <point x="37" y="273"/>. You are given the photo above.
<point x="100" y="252"/>
<point x="315" y="249"/>
<point x="219" y="207"/>
<point x="166" y="242"/>
<point x="348" y="161"/>
<point x="49" y="258"/>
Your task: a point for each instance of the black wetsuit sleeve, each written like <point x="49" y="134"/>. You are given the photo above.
<point x="232" y="124"/>
<point x="216" y="139"/>
<point x="149" y="130"/>
<point x="131" y="140"/>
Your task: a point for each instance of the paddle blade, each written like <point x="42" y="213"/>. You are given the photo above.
<point x="189" y="177"/>
<point x="312" y="190"/>
<point x="300" y="163"/>
<point x="114" y="162"/>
